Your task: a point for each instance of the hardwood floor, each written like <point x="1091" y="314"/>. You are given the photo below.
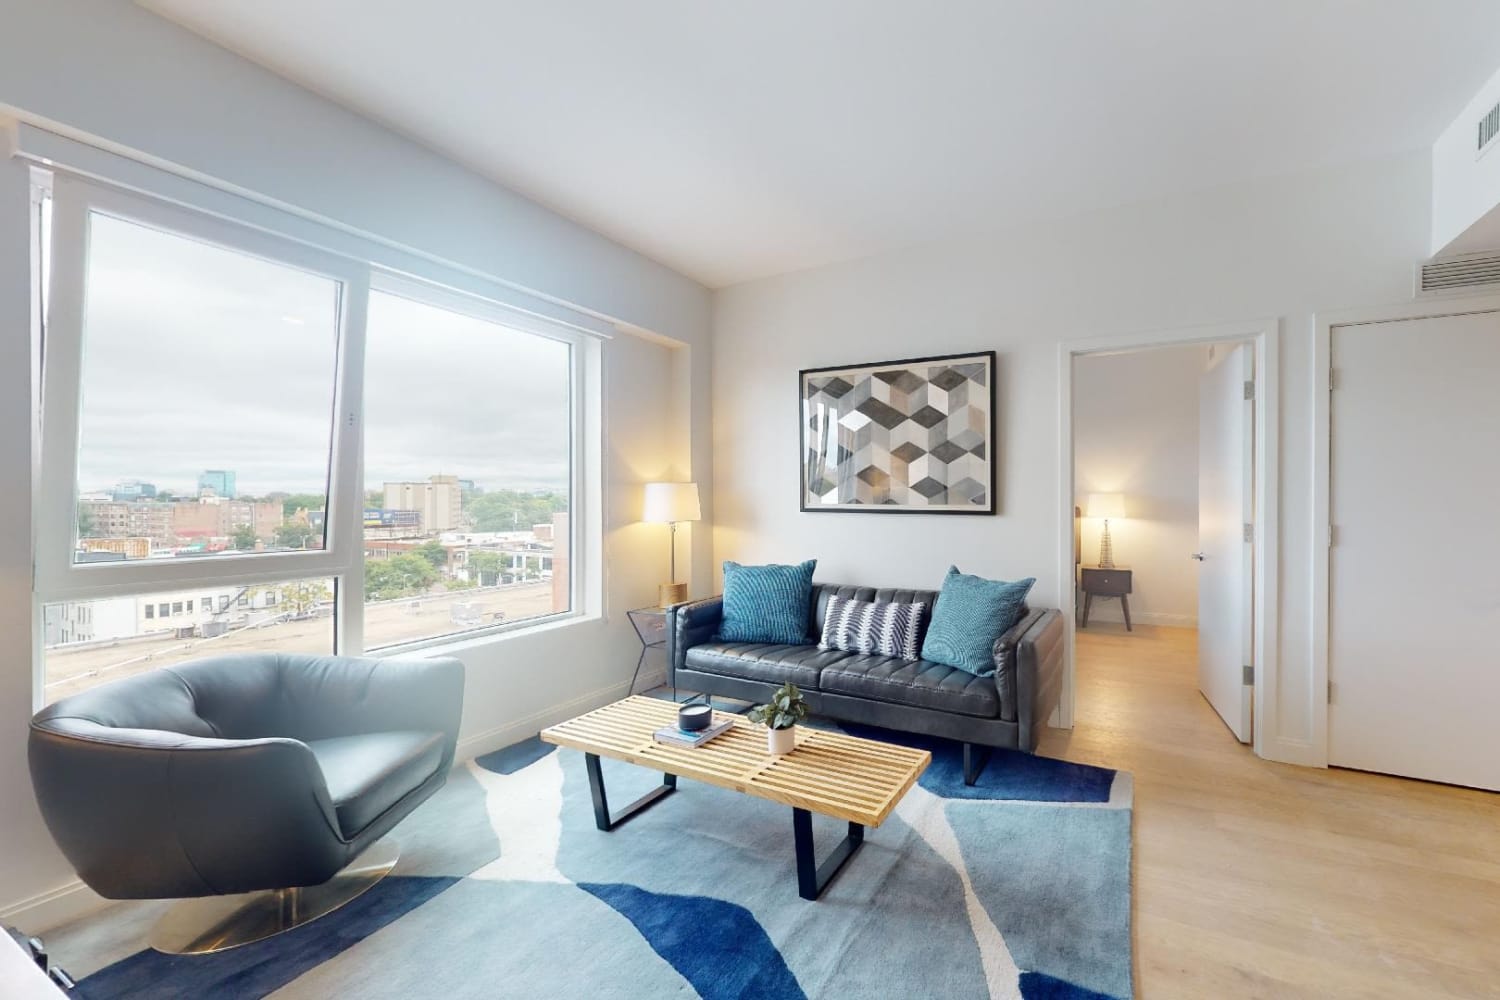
<point x="1255" y="879"/>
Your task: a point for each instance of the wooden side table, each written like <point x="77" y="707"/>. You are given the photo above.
<point x="1112" y="582"/>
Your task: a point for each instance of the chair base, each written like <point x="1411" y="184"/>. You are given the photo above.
<point x="218" y="923"/>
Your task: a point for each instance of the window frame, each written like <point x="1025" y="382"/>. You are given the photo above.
<point x="58" y="579"/>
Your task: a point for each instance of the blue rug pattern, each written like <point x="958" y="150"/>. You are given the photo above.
<point x="1017" y="887"/>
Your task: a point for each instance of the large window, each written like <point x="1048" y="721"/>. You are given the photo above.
<point x="247" y="446"/>
<point x="468" y="436"/>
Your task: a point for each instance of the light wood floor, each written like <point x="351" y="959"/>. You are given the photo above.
<point x="1255" y="879"/>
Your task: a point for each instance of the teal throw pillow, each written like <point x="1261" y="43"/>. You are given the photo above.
<point x="767" y="603"/>
<point x="970" y="614"/>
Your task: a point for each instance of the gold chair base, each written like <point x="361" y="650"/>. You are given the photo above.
<point x="218" y="923"/>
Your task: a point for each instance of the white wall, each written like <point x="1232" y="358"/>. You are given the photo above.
<point x="1466" y="190"/>
<point x="1283" y="248"/>
<point x="117" y="76"/>
<point x="1135" y="431"/>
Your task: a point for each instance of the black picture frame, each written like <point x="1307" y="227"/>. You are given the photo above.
<point x="909" y="388"/>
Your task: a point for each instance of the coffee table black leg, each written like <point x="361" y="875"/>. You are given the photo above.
<point x="813" y="878"/>
<point x="602" y="819"/>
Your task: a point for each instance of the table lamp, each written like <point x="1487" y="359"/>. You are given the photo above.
<point x="671" y="503"/>
<point x="1106" y="506"/>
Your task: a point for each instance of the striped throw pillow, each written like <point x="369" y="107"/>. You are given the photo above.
<point x="873" y="627"/>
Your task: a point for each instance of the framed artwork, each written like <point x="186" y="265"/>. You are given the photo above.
<point x="900" y="437"/>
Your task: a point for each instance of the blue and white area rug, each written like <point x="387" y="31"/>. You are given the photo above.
<point x="1018" y="887"/>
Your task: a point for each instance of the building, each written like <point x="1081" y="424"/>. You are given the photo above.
<point x="133" y="489"/>
<point x="128" y="519"/>
<point x="438" y="501"/>
<point x="219" y="482"/>
<point x="130" y="548"/>
<point x="213" y="517"/>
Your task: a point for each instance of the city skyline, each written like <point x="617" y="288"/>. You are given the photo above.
<point x="197" y="357"/>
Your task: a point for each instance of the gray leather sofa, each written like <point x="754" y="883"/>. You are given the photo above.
<point x="242" y="772"/>
<point x="1007" y="709"/>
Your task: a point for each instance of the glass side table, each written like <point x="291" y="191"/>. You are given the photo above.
<point x="651" y="628"/>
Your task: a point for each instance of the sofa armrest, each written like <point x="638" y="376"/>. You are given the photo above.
<point x="689" y="625"/>
<point x="1031" y="654"/>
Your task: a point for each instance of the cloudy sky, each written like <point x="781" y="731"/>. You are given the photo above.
<point x="200" y="358"/>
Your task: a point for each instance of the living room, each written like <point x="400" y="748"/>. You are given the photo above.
<point x="495" y="447"/>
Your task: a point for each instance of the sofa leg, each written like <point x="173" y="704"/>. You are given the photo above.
<point x="975" y="759"/>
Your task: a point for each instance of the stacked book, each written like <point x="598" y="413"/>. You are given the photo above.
<point x="673" y="737"/>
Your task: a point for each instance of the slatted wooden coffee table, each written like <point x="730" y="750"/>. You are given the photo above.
<point x="833" y="774"/>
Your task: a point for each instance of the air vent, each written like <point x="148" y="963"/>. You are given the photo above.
<point x="1461" y="272"/>
<point x="1489" y="127"/>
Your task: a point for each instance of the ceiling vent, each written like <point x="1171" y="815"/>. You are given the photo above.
<point x="1489" y="127"/>
<point x="1464" y="272"/>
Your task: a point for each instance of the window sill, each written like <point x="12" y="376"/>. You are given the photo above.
<point x="454" y="645"/>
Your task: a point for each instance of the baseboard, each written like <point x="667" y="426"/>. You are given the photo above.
<point x="514" y="732"/>
<point x="42" y="912"/>
<point x="1114" y="617"/>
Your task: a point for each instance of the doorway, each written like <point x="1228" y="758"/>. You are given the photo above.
<point x="1168" y="488"/>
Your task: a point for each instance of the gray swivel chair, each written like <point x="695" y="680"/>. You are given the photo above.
<point x="253" y="783"/>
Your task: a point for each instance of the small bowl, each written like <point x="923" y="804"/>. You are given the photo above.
<point x="693" y="718"/>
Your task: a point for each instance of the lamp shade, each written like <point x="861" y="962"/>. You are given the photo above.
<point x="1106" y="505"/>
<point x="668" y="502"/>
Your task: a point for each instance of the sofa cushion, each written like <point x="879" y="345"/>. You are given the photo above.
<point x="766" y="603"/>
<point x="369" y="773"/>
<point x="920" y="683"/>
<point x="882" y="628"/>
<point x="773" y="663"/>
<point x="971" y="614"/>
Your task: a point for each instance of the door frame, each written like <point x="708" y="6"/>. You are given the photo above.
<point x="1322" y="479"/>
<point x="1265" y="334"/>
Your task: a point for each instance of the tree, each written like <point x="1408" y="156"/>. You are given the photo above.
<point x="244" y="537"/>
<point x="433" y="551"/>
<point x="487" y="566"/>
<point x="293" y="535"/>
<point x="86" y="526"/>
<point x="398" y="576"/>
<point x="302" y="501"/>
<point x="512" y="510"/>
<point x="302" y="598"/>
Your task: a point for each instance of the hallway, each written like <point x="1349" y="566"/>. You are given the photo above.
<point x="1256" y="879"/>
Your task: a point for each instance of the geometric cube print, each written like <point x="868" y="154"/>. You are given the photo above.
<point x="915" y="435"/>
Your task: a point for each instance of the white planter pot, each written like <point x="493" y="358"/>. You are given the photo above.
<point x="781" y="740"/>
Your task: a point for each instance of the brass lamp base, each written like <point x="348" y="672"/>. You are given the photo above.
<point x="218" y="923"/>
<point x="669" y="594"/>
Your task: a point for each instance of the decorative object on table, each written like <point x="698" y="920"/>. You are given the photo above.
<point x="695" y="716"/>
<point x="883" y="628"/>
<point x="673" y="736"/>
<point x="1105" y="581"/>
<point x="900" y="437"/>
<point x="671" y="503"/>
<point x="766" y="603"/>
<point x="780" y="716"/>
<point x="651" y="628"/>
<point x="971" y="613"/>
<point x="1106" y="506"/>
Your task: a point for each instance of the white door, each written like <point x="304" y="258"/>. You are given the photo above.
<point x="1414" y="572"/>
<point x="1226" y="455"/>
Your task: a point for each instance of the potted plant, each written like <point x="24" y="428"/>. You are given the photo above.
<point x="780" y="717"/>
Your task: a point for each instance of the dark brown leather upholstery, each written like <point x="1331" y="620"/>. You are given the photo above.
<point x="1005" y="709"/>
<point x="243" y="772"/>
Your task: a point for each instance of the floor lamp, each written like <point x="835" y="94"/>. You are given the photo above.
<point x="671" y="503"/>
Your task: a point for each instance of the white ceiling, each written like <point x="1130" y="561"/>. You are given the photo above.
<point x="734" y="140"/>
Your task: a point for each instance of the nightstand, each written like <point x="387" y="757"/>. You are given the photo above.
<point x="1101" y="582"/>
